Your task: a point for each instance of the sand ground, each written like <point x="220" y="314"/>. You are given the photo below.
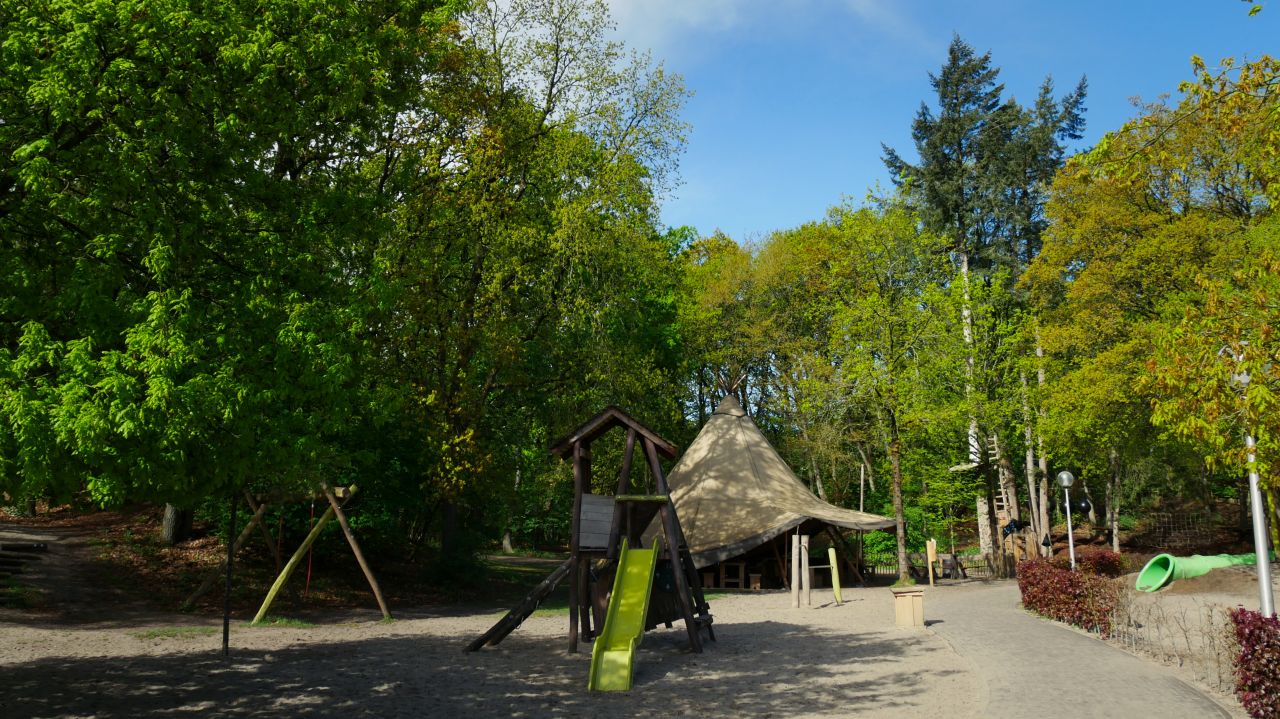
<point x="86" y="656"/>
<point x="769" y="660"/>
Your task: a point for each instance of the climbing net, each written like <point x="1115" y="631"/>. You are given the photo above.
<point x="1180" y="530"/>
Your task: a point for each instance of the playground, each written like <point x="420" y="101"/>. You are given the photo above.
<point x="634" y="598"/>
<point x="92" y="649"/>
<point x="978" y="657"/>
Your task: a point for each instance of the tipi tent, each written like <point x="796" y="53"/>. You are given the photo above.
<point x="733" y="492"/>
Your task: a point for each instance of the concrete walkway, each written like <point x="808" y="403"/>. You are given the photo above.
<point x="1036" y="668"/>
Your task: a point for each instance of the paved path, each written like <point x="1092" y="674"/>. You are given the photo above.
<point x="1035" y="668"/>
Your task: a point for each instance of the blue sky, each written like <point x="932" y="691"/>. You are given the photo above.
<point x="793" y="97"/>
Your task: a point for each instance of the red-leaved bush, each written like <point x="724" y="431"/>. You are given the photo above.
<point x="1257" y="667"/>
<point x="1094" y="560"/>
<point x="1083" y="598"/>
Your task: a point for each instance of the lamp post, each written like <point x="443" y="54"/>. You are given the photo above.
<point x="1260" y="540"/>
<point x="1065" y="480"/>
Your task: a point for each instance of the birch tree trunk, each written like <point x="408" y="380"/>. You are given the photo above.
<point x="1027" y="432"/>
<point x="975" y="448"/>
<point x="1044" y="461"/>
<point x="1113" y="499"/>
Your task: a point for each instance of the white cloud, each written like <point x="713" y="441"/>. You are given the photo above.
<point x="886" y="17"/>
<point x="665" y="26"/>
<point x="659" y="25"/>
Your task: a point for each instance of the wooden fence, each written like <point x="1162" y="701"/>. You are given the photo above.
<point x="976" y="566"/>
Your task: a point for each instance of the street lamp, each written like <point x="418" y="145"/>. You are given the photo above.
<point x="1065" y="480"/>
<point x="1267" y="604"/>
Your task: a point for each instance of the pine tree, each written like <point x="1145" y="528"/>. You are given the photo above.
<point x="984" y="166"/>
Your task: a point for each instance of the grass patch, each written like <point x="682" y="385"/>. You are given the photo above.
<point x="175" y="632"/>
<point x="553" y="608"/>
<point x="285" y="622"/>
<point x="17" y="595"/>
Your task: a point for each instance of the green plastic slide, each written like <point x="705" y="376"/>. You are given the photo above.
<point x="1166" y="568"/>
<point x="613" y="653"/>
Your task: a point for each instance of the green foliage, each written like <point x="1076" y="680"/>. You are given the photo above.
<point x="1157" y="259"/>
<point x="519" y="292"/>
<point x="175" y="317"/>
<point x="268" y="243"/>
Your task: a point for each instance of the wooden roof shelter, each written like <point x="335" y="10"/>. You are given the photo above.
<point x="734" y="492"/>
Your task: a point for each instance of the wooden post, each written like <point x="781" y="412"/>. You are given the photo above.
<point x="674" y="548"/>
<point x="575" y="524"/>
<point x="294" y="560"/>
<point x="795" y="570"/>
<point x="226" y="600"/>
<point x="624" y="486"/>
<point x="842" y="550"/>
<point x="931" y="554"/>
<point x="216" y="572"/>
<point x="355" y="549"/>
<point x="805" y="571"/>
<point x="266" y="531"/>
<point x="835" y="575"/>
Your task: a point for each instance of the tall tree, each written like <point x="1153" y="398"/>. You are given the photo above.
<point x="179" y="185"/>
<point x="524" y="251"/>
<point x="890" y="319"/>
<point x="1147" y="229"/>
<point x="979" y="181"/>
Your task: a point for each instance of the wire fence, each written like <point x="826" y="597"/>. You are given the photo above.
<point x="1193" y="634"/>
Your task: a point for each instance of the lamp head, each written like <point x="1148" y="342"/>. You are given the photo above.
<point x="1066" y="479"/>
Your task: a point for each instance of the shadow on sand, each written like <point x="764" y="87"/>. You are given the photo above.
<point x="758" y="669"/>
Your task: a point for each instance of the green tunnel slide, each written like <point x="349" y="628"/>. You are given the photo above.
<point x="1166" y="568"/>
<point x="613" y="654"/>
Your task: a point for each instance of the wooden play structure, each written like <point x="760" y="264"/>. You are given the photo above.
<point x="618" y="587"/>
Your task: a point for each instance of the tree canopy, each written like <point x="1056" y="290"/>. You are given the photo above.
<point x="268" y="243"/>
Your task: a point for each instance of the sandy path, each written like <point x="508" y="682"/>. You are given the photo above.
<point x="770" y="661"/>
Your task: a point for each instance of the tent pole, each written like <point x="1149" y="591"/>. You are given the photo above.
<point x="795" y="569"/>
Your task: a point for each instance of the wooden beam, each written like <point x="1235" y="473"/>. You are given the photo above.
<point x="294" y="560"/>
<point x="674" y="539"/>
<point x="355" y="549"/>
<point x="266" y="530"/>
<point x="609" y="418"/>
<point x="212" y="576"/>
<point x="624" y="486"/>
<point x="575" y="523"/>
<point x="521" y="611"/>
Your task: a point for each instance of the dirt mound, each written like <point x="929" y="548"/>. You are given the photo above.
<point x="1228" y="580"/>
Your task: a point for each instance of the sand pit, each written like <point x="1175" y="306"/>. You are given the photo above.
<point x="770" y="661"/>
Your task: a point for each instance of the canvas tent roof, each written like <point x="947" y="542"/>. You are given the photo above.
<point x="733" y="492"/>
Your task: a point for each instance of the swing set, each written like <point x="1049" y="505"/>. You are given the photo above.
<point x="336" y="498"/>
